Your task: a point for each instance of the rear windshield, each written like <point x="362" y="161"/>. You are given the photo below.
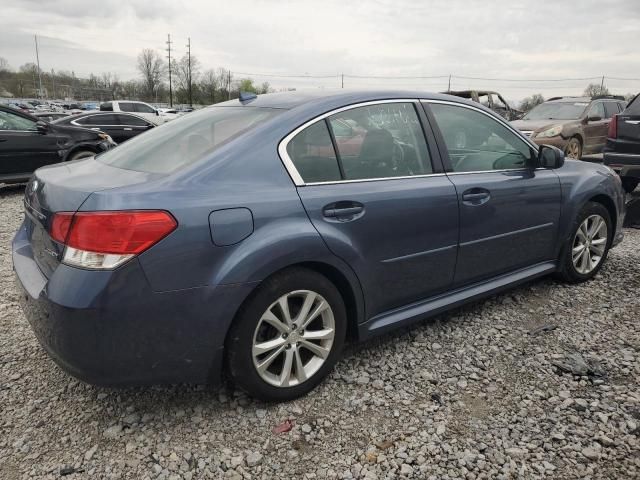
<point x="557" y="111"/>
<point x="181" y="142"/>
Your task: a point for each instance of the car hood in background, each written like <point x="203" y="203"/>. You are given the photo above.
<point x="536" y="125"/>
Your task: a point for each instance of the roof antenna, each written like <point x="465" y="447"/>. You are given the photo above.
<point x="247" y="96"/>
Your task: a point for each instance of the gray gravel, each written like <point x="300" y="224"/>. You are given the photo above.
<point x="484" y="392"/>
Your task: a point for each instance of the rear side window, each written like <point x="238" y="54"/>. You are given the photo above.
<point x="181" y="142"/>
<point x="127" y="107"/>
<point x="313" y="155"/>
<point x="98" y="120"/>
<point x="597" y="110"/>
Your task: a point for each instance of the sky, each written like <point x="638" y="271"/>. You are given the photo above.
<point x="500" y="41"/>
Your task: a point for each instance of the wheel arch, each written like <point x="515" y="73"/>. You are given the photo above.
<point x="608" y="203"/>
<point x="77" y="148"/>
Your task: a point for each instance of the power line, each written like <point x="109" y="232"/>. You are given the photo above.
<point x="285" y="76"/>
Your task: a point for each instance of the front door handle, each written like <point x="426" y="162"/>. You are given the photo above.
<point x="342" y="212"/>
<point x="476" y="196"/>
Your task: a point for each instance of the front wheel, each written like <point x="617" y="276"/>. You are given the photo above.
<point x="287" y="337"/>
<point x="573" y="149"/>
<point x="81" y="154"/>
<point x="587" y="248"/>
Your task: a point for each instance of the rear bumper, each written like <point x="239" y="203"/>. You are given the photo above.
<point x="625" y="164"/>
<point x="110" y="328"/>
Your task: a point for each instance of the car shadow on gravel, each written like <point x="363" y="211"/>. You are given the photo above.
<point x="11" y="189"/>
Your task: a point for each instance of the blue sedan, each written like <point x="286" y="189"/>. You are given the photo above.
<point x="253" y="238"/>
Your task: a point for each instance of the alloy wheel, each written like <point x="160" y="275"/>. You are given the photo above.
<point x="573" y="150"/>
<point x="293" y="338"/>
<point x="589" y="244"/>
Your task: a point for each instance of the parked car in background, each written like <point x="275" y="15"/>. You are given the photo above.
<point x="169" y="113"/>
<point x="492" y="100"/>
<point x="622" y="151"/>
<point x="118" y="125"/>
<point x="50" y="116"/>
<point x="577" y="125"/>
<point x="245" y="236"/>
<point x="23" y="106"/>
<point x="141" y="109"/>
<point x="27" y="144"/>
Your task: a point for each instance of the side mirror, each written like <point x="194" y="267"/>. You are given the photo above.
<point x="594" y="118"/>
<point x="157" y="113"/>
<point x="550" y="157"/>
<point x="42" y="127"/>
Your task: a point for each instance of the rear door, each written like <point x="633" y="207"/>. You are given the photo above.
<point x="23" y="148"/>
<point x="147" y="112"/>
<point x="132" y="125"/>
<point x="378" y="197"/>
<point x="596" y="129"/>
<point x="629" y="129"/>
<point x="509" y="210"/>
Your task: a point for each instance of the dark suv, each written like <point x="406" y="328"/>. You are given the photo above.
<point x="577" y="125"/>
<point x="622" y="151"/>
<point x="27" y="143"/>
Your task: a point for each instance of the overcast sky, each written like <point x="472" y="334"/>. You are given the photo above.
<point x="504" y="39"/>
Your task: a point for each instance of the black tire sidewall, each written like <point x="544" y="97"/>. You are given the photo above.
<point x="628" y="183"/>
<point x="239" y="342"/>
<point x="568" y="271"/>
<point x="74" y="155"/>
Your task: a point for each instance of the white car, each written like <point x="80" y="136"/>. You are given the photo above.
<point x="169" y="113"/>
<point x="141" y="109"/>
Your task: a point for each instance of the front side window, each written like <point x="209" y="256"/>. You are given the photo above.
<point x="597" y="110"/>
<point x="132" y="120"/>
<point x="142" y="108"/>
<point x="177" y="144"/>
<point x="476" y="142"/>
<point x="9" y="121"/>
<point x="98" y="120"/>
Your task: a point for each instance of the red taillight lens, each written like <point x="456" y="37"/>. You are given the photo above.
<point x="126" y="232"/>
<point x="60" y="226"/>
<point x="613" y="127"/>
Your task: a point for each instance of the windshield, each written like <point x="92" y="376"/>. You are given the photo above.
<point x="557" y="111"/>
<point x="183" y="141"/>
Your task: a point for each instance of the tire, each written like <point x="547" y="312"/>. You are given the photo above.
<point x="80" y="154"/>
<point x="570" y="270"/>
<point x="297" y="286"/>
<point x="573" y="149"/>
<point x="629" y="184"/>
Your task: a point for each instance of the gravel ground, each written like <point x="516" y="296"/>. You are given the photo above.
<point x="478" y="393"/>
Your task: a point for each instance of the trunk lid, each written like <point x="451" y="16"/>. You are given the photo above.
<point x="64" y="188"/>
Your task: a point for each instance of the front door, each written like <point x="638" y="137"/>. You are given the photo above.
<point x="23" y="148"/>
<point x="595" y="129"/>
<point x="369" y="186"/>
<point x="509" y="210"/>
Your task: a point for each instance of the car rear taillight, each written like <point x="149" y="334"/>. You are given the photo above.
<point x="105" y="240"/>
<point x="613" y="127"/>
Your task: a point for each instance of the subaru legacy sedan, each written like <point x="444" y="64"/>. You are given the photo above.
<point x="251" y="239"/>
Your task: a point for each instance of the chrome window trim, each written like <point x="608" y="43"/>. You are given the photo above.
<point x="18" y="131"/>
<point x="74" y="122"/>
<point x="293" y="171"/>
<point x="495" y="118"/>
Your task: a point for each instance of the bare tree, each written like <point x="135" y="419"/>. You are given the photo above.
<point x="210" y="84"/>
<point x="152" y="68"/>
<point x="184" y="76"/>
<point x="530" y="102"/>
<point x="4" y="65"/>
<point x="594" y="89"/>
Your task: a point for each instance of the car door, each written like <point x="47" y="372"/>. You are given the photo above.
<point x="148" y="113"/>
<point x="383" y="206"/>
<point x="509" y="210"/>
<point x="23" y="148"/>
<point x="132" y="125"/>
<point x="596" y="128"/>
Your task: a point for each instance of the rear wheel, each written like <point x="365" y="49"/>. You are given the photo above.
<point x="81" y="154"/>
<point x="629" y="184"/>
<point x="573" y="149"/>
<point x="587" y="248"/>
<point x="287" y="337"/>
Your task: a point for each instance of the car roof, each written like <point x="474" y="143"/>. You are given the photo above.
<point x="321" y="97"/>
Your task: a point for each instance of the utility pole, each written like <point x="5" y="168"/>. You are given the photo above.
<point x="53" y="83"/>
<point x="39" y="74"/>
<point x="169" y="56"/>
<point x="229" y="85"/>
<point x="342" y="80"/>
<point x="602" y="85"/>
<point x="449" y="87"/>
<point x="189" y="70"/>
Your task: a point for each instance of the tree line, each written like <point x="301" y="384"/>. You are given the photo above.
<point x="207" y="86"/>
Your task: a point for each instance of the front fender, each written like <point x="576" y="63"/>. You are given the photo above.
<point x="580" y="183"/>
